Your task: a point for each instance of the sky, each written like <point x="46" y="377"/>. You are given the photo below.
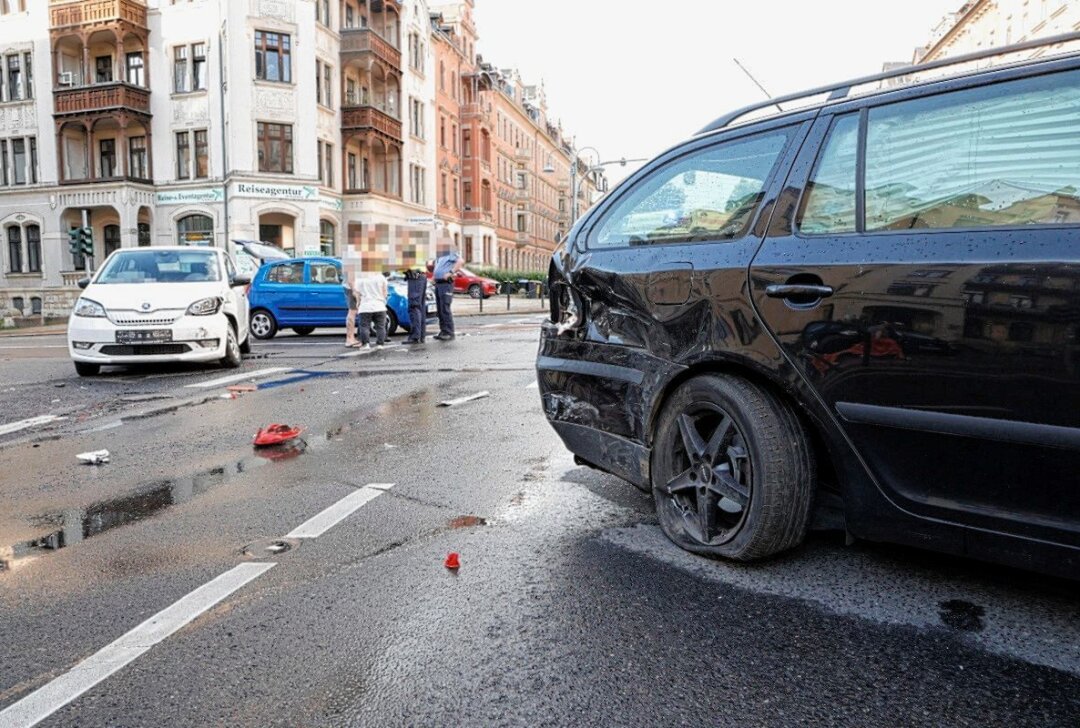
<point x="631" y="79"/>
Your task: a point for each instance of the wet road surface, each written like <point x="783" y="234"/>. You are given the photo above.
<point x="194" y="581"/>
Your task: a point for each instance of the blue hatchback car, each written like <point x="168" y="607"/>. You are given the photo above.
<point x="304" y="294"/>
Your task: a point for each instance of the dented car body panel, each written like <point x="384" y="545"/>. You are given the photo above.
<point x="936" y="371"/>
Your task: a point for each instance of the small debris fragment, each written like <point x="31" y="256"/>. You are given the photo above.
<point x="60" y="385"/>
<point x="55" y="401"/>
<point x="242" y="388"/>
<point x="98" y="457"/>
<point x="275" y="435"/>
<point x="463" y="400"/>
<point x="388" y="446"/>
<point x="453" y="561"/>
<point x="467" y="522"/>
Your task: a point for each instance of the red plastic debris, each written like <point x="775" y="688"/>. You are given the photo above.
<point x="453" y="561"/>
<point x="275" y="435"/>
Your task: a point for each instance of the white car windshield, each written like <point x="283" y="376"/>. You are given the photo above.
<point x="161" y="266"/>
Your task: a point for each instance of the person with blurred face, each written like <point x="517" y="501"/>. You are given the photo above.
<point x="446" y="267"/>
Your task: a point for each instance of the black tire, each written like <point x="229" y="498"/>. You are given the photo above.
<point x="392" y="323"/>
<point x="475" y="291"/>
<point x="245" y="345"/>
<point x="263" y="325"/>
<point x="83" y="369"/>
<point x="232" y="358"/>
<point x="759" y="467"/>
<point x="303" y="330"/>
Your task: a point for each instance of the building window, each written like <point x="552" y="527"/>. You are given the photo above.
<point x="181" y="72"/>
<point x="350" y="17"/>
<point x="112" y="239"/>
<point x="202" y="154"/>
<point x="15" y="249"/>
<point x="454" y="137"/>
<point x="18" y="160"/>
<point x="275" y="148"/>
<point x="442" y="132"/>
<point x="107" y="158"/>
<point x="183" y="155"/>
<point x="352" y="171"/>
<point x="326" y="237"/>
<point x="351" y="98"/>
<point x="103" y="69"/>
<point x="144" y="234"/>
<point x="273" y="57"/>
<point x="136" y="69"/>
<point x="416" y="52"/>
<point x="442" y="190"/>
<point x="322" y="12"/>
<point x="137" y="158"/>
<point x="457" y="196"/>
<point x="324" y="87"/>
<point x="326" y="164"/>
<point x="198" y="67"/>
<point x="195" y="230"/>
<point x="35" y="305"/>
<point x="33" y="248"/>
<point x="417" y="187"/>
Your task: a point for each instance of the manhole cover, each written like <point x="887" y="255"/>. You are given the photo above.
<point x="270" y="548"/>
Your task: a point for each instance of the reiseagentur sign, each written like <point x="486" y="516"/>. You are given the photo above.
<point x="275" y="192"/>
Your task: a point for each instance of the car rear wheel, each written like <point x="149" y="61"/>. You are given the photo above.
<point x="245" y="345"/>
<point x="392" y="323"/>
<point x="732" y="471"/>
<point x="232" y="358"/>
<point x="263" y="326"/>
<point x="84" y="369"/>
<point x="303" y="330"/>
<point x="475" y="291"/>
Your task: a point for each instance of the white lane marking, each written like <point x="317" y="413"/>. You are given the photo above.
<point x="533" y="385"/>
<point x="32" y="422"/>
<point x="335" y="514"/>
<point x="360" y="352"/>
<point x="46" y="700"/>
<point x="463" y="400"/>
<point x="44" y="346"/>
<point x="256" y="374"/>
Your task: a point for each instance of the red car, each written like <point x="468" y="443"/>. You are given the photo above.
<point x="474" y="285"/>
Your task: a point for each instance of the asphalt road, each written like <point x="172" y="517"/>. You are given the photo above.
<point x="191" y="581"/>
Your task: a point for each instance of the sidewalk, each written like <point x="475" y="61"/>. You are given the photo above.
<point x="465" y="306"/>
<point x="50" y="330"/>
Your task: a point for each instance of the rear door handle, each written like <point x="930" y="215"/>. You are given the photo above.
<point x="797" y="290"/>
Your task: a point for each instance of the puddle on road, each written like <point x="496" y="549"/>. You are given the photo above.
<point x="962" y="615"/>
<point x="76" y="525"/>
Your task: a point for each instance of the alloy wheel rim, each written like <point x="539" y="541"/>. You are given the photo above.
<point x="710" y="489"/>
<point x="261" y="324"/>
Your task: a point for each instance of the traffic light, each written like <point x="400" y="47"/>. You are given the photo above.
<point x="86" y="241"/>
<point x="74" y="241"/>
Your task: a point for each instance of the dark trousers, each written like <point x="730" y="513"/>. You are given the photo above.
<point x="366" y="319"/>
<point x="444" y="297"/>
<point x="417" y="320"/>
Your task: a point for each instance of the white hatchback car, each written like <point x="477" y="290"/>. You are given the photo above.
<point x="167" y="304"/>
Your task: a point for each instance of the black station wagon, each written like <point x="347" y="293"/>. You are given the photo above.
<point x="863" y="314"/>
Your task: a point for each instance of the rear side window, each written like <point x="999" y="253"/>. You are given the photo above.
<point x="1002" y="155"/>
<point x="325" y="273"/>
<point x="829" y="203"/>
<point x="286" y="273"/>
<point x="710" y="194"/>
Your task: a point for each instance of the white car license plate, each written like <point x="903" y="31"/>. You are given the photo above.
<point x="143" y="336"/>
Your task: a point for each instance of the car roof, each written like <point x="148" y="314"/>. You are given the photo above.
<point x="840" y="92"/>
<point x="171" y="249"/>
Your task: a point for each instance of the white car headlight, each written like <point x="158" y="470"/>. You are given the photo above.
<point x="205" y="307"/>
<point x="89" y="309"/>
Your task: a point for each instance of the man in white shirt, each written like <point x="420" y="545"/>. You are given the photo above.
<point x="371" y="292"/>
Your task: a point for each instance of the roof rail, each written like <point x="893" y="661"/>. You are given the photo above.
<point x="839" y="91"/>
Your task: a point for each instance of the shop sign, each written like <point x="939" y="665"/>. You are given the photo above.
<point x="275" y="192"/>
<point x="201" y="195"/>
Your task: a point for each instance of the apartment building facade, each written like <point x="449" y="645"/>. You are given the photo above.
<point x="980" y="24"/>
<point x="309" y="124"/>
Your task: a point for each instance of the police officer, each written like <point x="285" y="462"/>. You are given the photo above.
<point x="446" y="269"/>
<point x="417" y="285"/>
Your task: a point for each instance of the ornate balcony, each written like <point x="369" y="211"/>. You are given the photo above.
<point x="75" y="13"/>
<point x="484" y="216"/>
<point x="521" y="154"/>
<point x="106" y="97"/>
<point x="358" y="42"/>
<point x="522" y="238"/>
<point x="360" y="119"/>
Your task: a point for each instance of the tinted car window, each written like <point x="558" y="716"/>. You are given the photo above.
<point x="325" y="273"/>
<point x="1001" y="155"/>
<point x="286" y="273"/>
<point x="710" y="194"/>
<point x="829" y="204"/>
